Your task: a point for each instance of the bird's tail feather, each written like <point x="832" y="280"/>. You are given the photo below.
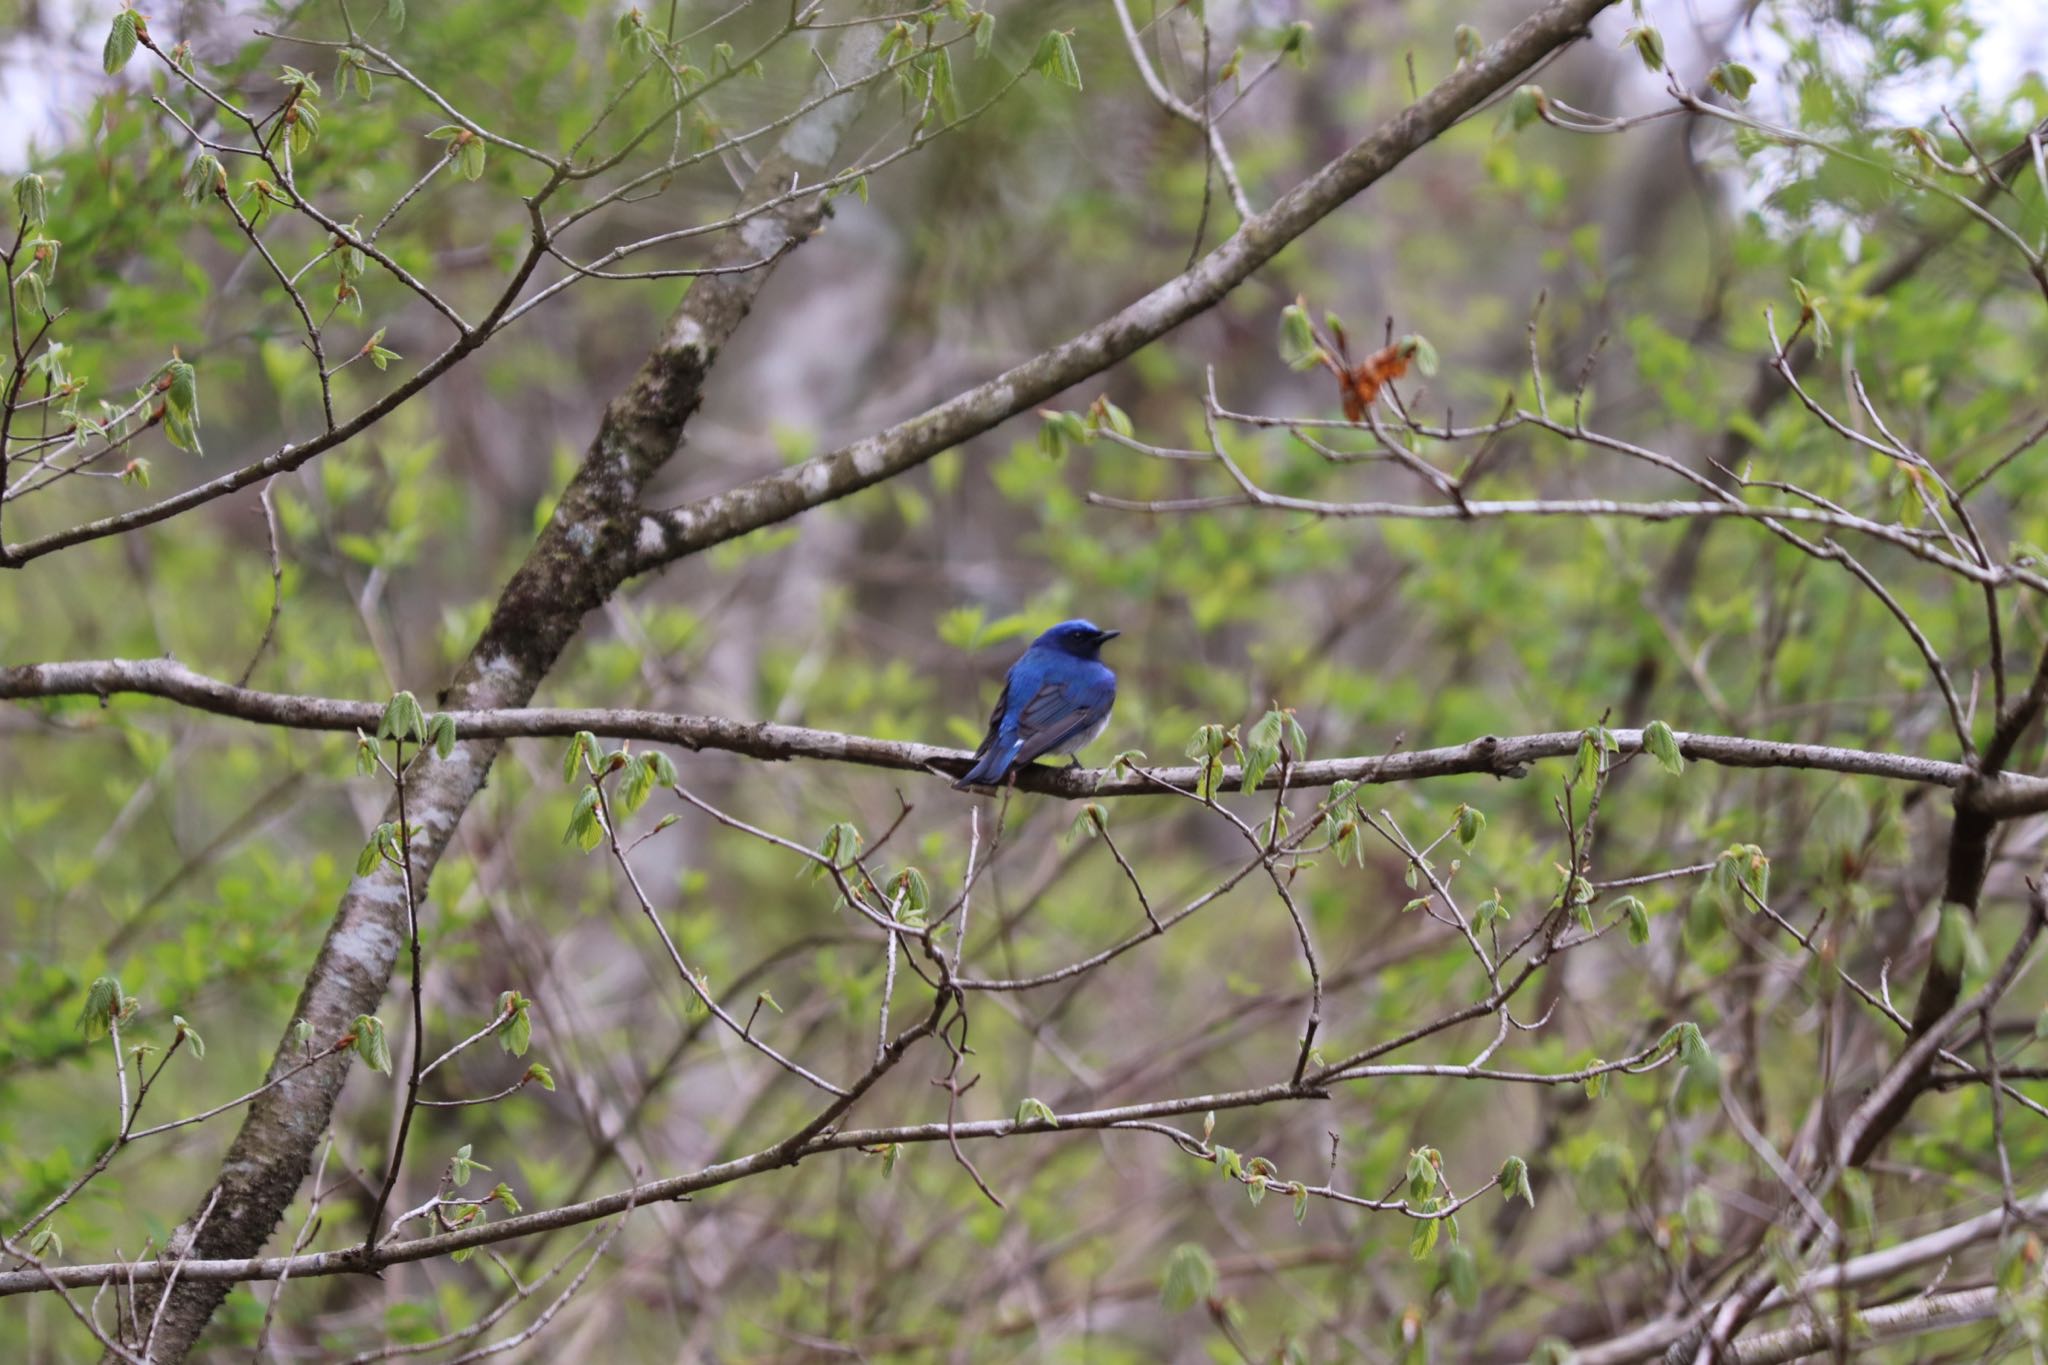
<point x="990" y="768"/>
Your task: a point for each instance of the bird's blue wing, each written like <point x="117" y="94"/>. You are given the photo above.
<point x="1059" y="704"/>
<point x="1059" y="712"/>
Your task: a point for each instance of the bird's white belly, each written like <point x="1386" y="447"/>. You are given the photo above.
<point x="1084" y="739"/>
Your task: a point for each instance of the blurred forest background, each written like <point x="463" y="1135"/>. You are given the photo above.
<point x="1824" y="170"/>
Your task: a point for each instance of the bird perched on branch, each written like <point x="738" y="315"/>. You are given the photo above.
<point x="1055" y="700"/>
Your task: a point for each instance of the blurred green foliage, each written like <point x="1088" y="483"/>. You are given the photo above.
<point x="198" y="859"/>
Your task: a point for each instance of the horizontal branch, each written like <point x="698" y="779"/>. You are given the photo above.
<point x="2004" y="796"/>
<point x="352" y="1260"/>
<point x="355" y="1260"/>
<point x="1919" y="544"/>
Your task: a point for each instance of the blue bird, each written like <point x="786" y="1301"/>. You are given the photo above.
<point x="1055" y="700"/>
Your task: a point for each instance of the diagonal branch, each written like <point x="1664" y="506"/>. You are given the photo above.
<point x="685" y="530"/>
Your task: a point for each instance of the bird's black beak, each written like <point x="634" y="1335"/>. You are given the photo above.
<point x="1107" y="636"/>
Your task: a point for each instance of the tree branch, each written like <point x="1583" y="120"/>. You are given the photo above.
<point x="2001" y="797"/>
<point x="670" y="535"/>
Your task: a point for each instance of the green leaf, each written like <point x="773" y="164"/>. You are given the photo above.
<point x="1732" y="79"/>
<point x="472" y="159"/>
<point x="32" y="199"/>
<point x="1208" y="742"/>
<point x="586" y="825"/>
<point x="582" y="748"/>
<point x="1491" y="910"/>
<point x="1061" y="431"/>
<point x="121" y="41"/>
<point x="103" y="1004"/>
<point x="539" y="1075"/>
<point x="1587" y="765"/>
<point x="1694" y="1054"/>
<point x="1054" y="59"/>
<point x="1298" y="347"/>
<point x="28" y="287"/>
<point x="1030" y="1110"/>
<point x="402" y="719"/>
<point x="1526" y="106"/>
<point x="462" y="1166"/>
<point x="1741" y="868"/>
<point x="299" y="81"/>
<point x="1417" y="349"/>
<point x="1466" y="43"/>
<point x="370" y="1043"/>
<point x="1811" y="306"/>
<point x="372" y="854"/>
<point x="1636" y="916"/>
<point x="193" y="1042"/>
<point x="1294" y="41"/>
<point x="1189" y="1279"/>
<point x="1514" y="1181"/>
<point x="840" y="846"/>
<point x="183" y="391"/>
<point x="1662" y="745"/>
<point x="1105" y="415"/>
<point x="441" y="734"/>
<point x="1471" y="824"/>
<point x="937" y="66"/>
<point x="1423" y="1165"/>
<point x="517" y="1035"/>
<point x="1649" y="45"/>
<point x="1423" y="1240"/>
<point x="984" y="32"/>
<point x="636" y="780"/>
<point x="911" y="893"/>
